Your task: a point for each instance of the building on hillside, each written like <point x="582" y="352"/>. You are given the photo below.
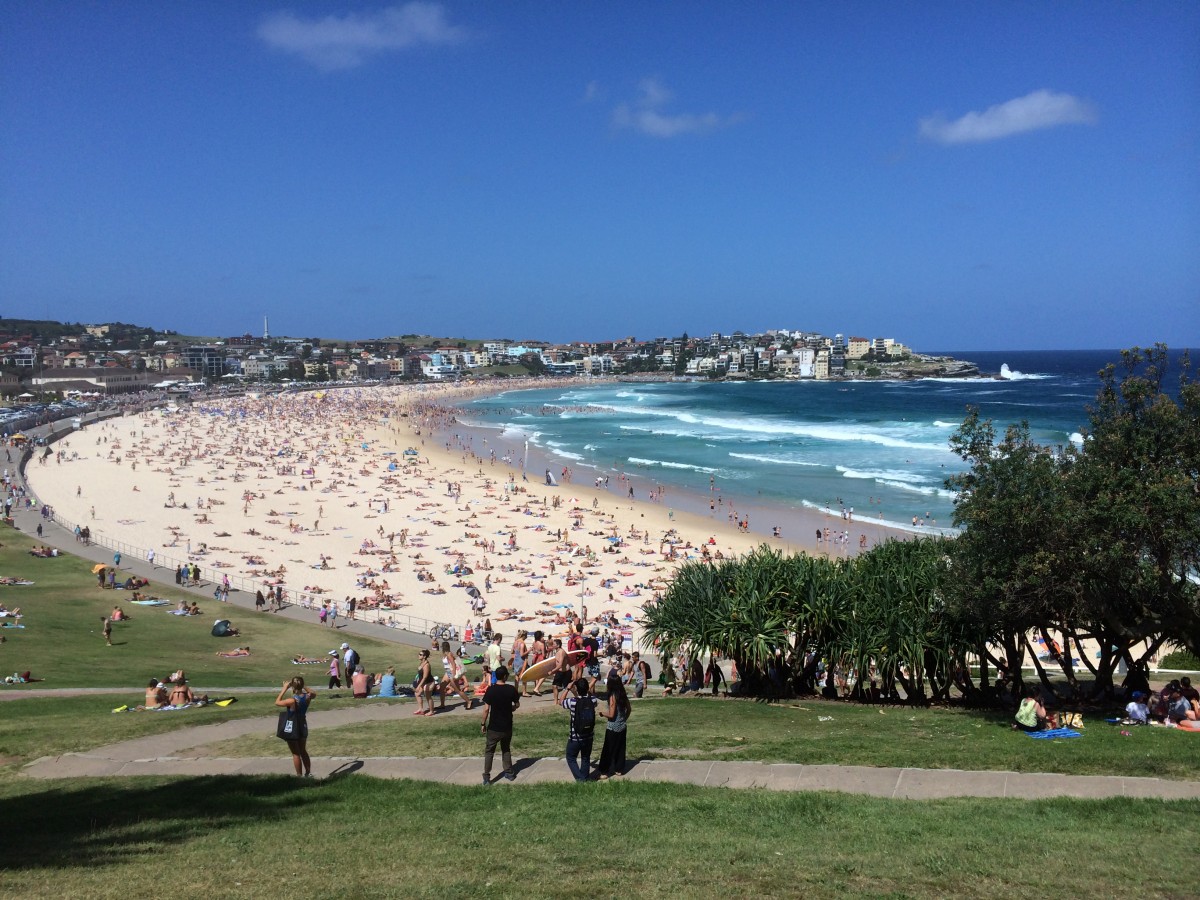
<point x="207" y="359"/>
<point x="857" y="348"/>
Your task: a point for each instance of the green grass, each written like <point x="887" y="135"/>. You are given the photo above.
<point x="353" y="835"/>
<point x="272" y="836"/>
<point x="735" y="730"/>
<point x="50" y="726"/>
<point x="62" y="641"/>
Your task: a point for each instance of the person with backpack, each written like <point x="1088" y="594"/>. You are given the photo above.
<point x="350" y="661"/>
<point x="582" y="706"/>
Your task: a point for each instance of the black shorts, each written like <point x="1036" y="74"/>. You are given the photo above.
<point x="562" y="679"/>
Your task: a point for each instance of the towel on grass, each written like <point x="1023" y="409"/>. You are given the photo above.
<point x="151" y="602"/>
<point x="1056" y="733"/>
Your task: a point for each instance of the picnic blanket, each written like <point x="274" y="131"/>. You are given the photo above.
<point x="151" y="602"/>
<point x="1055" y="733"/>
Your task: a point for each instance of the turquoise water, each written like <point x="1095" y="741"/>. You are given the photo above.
<point x="879" y="447"/>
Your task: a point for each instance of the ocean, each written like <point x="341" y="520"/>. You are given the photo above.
<point x="880" y="448"/>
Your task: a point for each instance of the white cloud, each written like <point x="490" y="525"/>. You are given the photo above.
<point x="646" y="114"/>
<point x="593" y="92"/>
<point x="343" y="42"/>
<point x="1040" y="109"/>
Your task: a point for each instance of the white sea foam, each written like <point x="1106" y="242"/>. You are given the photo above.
<point x="1076" y="438"/>
<point x="892" y="474"/>
<point x="668" y="464"/>
<point x="557" y="447"/>
<point x="889" y="523"/>
<point x="1013" y="375"/>
<point x="757" y="428"/>
<point x="774" y="460"/>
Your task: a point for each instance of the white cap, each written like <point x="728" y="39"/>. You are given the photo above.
<point x="345" y="646"/>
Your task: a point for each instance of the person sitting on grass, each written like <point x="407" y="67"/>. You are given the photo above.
<point x="1136" y="711"/>
<point x="118" y="615"/>
<point x="387" y="684"/>
<point x="1031" y="715"/>
<point x="156" y="694"/>
<point x="181" y="694"/>
<point x="360" y="684"/>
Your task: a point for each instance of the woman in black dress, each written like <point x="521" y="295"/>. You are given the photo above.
<point x="612" y="755"/>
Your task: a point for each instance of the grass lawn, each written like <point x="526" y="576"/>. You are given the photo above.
<point x="50" y="726"/>
<point x="357" y="836"/>
<point x="273" y="836"/>
<point x="62" y="641"/>
<point x="735" y="730"/>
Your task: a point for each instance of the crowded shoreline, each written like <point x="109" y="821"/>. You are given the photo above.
<point x="382" y="502"/>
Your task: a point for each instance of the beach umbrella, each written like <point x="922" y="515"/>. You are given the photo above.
<point x="100" y="567"/>
<point x="473" y="592"/>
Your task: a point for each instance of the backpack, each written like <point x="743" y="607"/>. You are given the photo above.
<point x="353" y="662"/>
<point x="583" y="719"/>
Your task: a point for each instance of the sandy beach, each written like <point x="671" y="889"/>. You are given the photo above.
<point x="315" y="491"/>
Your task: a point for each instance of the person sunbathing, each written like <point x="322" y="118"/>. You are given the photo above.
<point x="156" y="694"/>
<point x="236" y="651"/>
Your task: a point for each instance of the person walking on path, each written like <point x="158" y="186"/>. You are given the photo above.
<point x="494" y="653"/>
<point x="582" y="707"/>
<point x="453" y="680"/>
<point x="293" y="722"/>
<point x="612" y="754"/>
<point x="499" y="704"/>
<point x="423" y="688"/>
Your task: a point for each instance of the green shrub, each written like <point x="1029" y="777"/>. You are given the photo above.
<point x="1180" y="659"/>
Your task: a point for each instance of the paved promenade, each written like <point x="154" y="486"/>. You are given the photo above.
<point x="181" y="753"/>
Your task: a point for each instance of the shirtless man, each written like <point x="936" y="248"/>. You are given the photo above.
<point x="562" y="671"/>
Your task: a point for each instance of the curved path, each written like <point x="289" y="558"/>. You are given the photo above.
<point x="173" y="754"/>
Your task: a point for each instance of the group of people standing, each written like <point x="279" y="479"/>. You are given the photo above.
<point x="502" y="700"/>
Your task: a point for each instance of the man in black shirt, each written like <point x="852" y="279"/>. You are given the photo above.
<point x="499" y="703"/>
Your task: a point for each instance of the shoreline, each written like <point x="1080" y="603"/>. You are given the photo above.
<point x="293" y="490"/>
<point x="305" y="489"/>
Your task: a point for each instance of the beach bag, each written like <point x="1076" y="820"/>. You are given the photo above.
<point x="286" y="728"/>
<point x="584" y="717"/>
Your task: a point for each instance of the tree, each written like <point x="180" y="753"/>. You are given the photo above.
<point x="1099" y="543"/>
<point x="1137" y="479"/>
<point x="1007" y="564"/>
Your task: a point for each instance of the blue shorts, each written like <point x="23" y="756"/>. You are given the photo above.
<point x="594" y="670"/>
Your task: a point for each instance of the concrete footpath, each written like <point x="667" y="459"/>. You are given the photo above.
<point x="181" y="753"/>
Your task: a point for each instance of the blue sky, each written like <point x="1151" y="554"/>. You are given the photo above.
<point x="978" y="175"/>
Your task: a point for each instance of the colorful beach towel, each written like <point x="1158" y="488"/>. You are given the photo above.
<point x="1056" y="733"/>
<point x="151" y="602"/>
